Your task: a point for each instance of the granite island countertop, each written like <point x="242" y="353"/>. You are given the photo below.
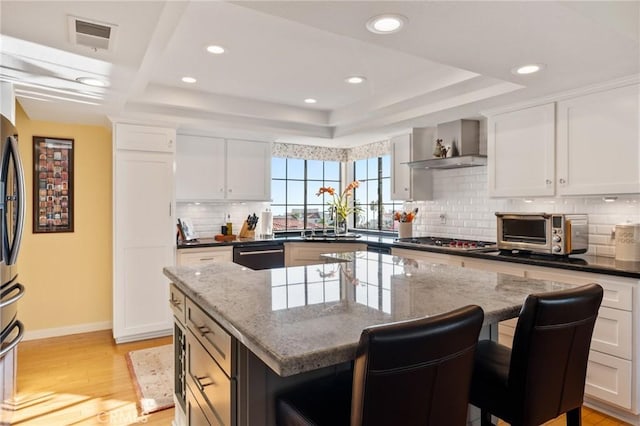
<point x="298" y="319"/>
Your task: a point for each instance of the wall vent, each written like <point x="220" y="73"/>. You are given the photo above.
<point x="93" y="34"/>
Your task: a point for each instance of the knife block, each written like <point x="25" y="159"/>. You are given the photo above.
<point x="245" y="232"/>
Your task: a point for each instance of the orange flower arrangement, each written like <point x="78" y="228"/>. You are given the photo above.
<point x="404" y="216"/>
<point x="340" y="202"/>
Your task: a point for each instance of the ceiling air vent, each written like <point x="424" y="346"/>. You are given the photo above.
<point x="93" y="34"/>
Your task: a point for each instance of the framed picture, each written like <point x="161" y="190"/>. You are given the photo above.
<point x="52" y="185"/>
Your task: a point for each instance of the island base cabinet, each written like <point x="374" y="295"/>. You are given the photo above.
<point x="208" y="385"/>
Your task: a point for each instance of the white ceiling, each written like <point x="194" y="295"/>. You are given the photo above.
<point x="452" y="60"/>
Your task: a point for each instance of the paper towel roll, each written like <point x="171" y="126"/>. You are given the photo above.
<point x="266" y="224"/>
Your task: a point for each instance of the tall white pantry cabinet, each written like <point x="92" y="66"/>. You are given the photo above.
<point x="143" y="230"/>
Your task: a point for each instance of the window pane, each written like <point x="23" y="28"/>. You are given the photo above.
<point x="386" y="190"/>
<point x="278" y="191"/>
<point x="278" y="167"/>
<point x="387" y="216"/>
<point x="295" y="169"/>
<point x="361" y="169"/>
<point x="372" y="168"/>
<point x="295" y="217"/>
<point x="386" y="166"/>
<point x="372" y="191"/>
<point x="332" y="170"/>
<point x="279" y="217"/>
<point x="313" y="187"/>
<point x="314" y="217"/>
<point x="295" y="192"/>
<point x="314" y="169"/>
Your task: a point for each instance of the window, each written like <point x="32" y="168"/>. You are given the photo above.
<point x="294" y="184"/>
<point x="374" y="193"/>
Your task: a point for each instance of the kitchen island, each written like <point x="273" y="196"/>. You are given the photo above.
<point x="288" y="324"/>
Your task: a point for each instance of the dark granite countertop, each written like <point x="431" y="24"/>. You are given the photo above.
<point x="583" y="263"/>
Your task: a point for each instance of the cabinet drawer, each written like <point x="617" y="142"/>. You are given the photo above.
<point x="210" y="386"/>
<point x="196" y="414"/>
<point x="177" y="301"/>
<point x="204" y="257"/>
<point x="609" y="379"/>
<point x="613" y="333"/>
<point x="216" y="341"/>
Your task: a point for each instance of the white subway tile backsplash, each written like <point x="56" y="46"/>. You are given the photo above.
<point x="207" y="218"/>
<point x="461" y="194"/>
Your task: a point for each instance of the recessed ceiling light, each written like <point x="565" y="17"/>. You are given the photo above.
<point x="356" y="79"/>
<point x="188" y="80"/>
<point x="216" y="50"/>
<point x="90" y="81"/>
<point x="310" y="101"/>
<point x="386" y="24"/>
<point x="528" y="69"/>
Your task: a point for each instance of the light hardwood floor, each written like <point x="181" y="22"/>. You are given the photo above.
<point x="81" y="379"/>
<point x="84" y="380"/>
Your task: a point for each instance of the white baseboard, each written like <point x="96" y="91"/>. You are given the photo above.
<point x="65" y="331"/>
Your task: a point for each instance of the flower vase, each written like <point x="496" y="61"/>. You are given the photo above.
<point x="405" y="229"/>
<point x="340" y="226"/>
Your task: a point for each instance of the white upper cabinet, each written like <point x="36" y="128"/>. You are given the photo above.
<point x="135" y="137"/>
<point x="520" y="151"/>
<point x="407" y="183"/>
<point x="210" y="169"/>
<point x="598" y="143"/>
<point x="400" y="172"/>
<point x="200" y="168"/>
<point x="248" y="170"/>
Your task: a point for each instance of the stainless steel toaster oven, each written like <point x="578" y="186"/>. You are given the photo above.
<point x="550" y="233"/>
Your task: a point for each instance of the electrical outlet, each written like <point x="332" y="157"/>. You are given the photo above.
<point x="443" y="219"/>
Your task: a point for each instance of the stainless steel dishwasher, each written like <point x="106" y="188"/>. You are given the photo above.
<point x="259" y="256"/>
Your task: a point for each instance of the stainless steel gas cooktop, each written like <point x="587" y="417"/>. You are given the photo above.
<point x="447" y="243"/>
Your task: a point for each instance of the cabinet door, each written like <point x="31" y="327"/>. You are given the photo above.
<point x="521" y="152"/>
<point x="609" y="378"/>
<point x="598" y="148"/>
<point x="248" y="170"/>
<point x="144" y="138"/>
<point x="200" y="168"/>
<point x="400" y="173"/>
<point x="144" y="228"/>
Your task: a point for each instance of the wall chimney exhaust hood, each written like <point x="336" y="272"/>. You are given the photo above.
<point x="462" y="140"/>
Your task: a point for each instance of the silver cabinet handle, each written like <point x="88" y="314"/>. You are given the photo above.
<point x="548" y="181"/>
<point x="201" y="385"/>
<point x="206" y="258"/>
<point x="175" y="303"/>
<point x="248" y="253"/>
<point x="203" y="329"/>
<point x="563" y="181"/>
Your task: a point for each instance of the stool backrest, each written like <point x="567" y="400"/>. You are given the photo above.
<point x="550" y="352"/>
<point x="416" y="372"/>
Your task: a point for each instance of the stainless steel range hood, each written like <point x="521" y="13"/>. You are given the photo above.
<point x="450" y="162"/>
<point x="462" y="140"/>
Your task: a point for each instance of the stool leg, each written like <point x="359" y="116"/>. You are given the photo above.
<point x="485" y="418"/>
<point x="574" y="417"/>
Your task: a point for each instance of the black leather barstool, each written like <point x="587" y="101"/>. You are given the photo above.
<point x="543" y="376"/>
<point x="408" y="373"/>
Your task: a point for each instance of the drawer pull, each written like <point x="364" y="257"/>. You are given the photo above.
<point x="175" y="303"/>
<point x="201" y="385"/>
<point x="203" y="329"/>
<point x="202" y="259"/>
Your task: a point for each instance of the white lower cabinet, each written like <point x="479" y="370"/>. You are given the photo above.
<point x="609" y="378"/>
<point x="203" y="256"/>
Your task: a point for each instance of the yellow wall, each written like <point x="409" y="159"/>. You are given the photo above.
<point x="68" y="276"/>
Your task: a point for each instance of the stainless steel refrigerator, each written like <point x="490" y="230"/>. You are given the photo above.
<point x="12" y="216"/>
